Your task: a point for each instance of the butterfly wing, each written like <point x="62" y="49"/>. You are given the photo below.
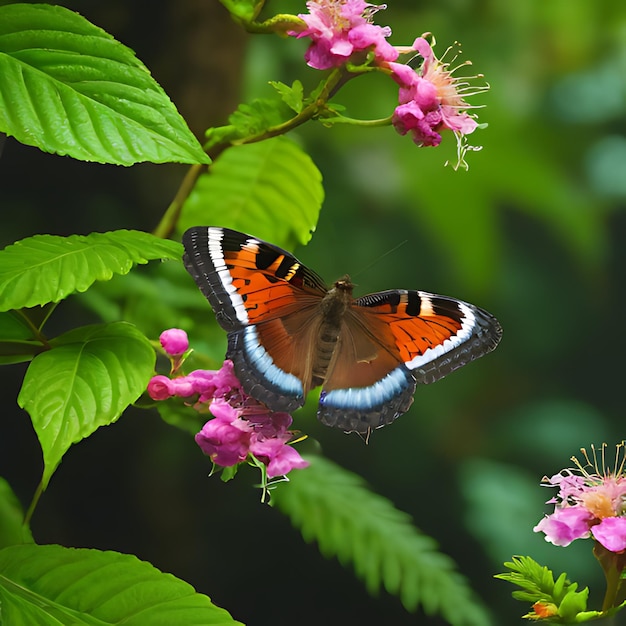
<point x="267" y="301"/>
<point x="393" y="340"/>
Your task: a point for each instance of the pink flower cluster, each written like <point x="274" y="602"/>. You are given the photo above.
<point x="431" y="98"/>
<point x="241" y="426"/>
<point x="340" y="28"/>
<point x="588" y="505"/>
<point x="249" y="428"/>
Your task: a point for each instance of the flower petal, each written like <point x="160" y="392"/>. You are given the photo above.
<point x="611" y="533"/>
<point x="565" y="525"/>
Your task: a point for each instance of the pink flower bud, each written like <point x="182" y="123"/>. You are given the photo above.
<point x="174" y="341"/>
<point x="159" y="388"/>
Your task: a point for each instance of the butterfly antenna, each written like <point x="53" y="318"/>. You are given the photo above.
<point x="382" y="256"/>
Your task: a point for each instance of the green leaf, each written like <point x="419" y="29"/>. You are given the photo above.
<point x="292" y="96"/>
<point x="68" y="87"/>
<point x="181" y="416"/>
<point x="259" y="115"/>
<point x="18" y="341"/>
<point x="12" y="529"/>
<point x="47" y="268"/>
<point x="538" y="585"/>
<point x="156" y="297"/>
<point x="249" y="120"/>
<point x="573" y="603"/>
<point x="245" y="10"/>
<point x="45" y="585"/>
<point x="270" y="189"/>
<point x="85" y="381"/>
<point x="333" y="507"/>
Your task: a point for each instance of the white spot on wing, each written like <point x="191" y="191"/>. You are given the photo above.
<point x="465" y="332"/>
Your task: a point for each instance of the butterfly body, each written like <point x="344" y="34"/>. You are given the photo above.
<point x="288" y="333"/>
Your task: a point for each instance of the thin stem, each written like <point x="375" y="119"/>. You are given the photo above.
<point x="35" y="329"/>
<point x="280" y="23"/>
<point x="341" y="119"/>
<point x="336" y="79"/>
<point x="168" y="222"/>
<point x="612" y="585"/>
<point x="612" y="565"/>
<point x="315" y="109"/>
<point x="33" y="504"/>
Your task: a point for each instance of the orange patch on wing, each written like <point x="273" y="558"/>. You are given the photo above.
<point x="415" y="335"/>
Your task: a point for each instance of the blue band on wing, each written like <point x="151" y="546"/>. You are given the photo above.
<point x="362" y="409"/>
<point x="259" y="376"/>
<point x="289" y="384"/>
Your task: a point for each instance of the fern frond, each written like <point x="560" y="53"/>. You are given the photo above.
<point x="348" y="521"/>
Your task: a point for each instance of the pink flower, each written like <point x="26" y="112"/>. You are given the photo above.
<point x="174" y="341"/>
<point x="565" y="525"/>
<point x="241" y="427"/>
<point x="226" y="439"/>
<point x="279" y="457"/>
<point x="159" y="388"/>
<point x="211" y="384"/>
<point x="340" y="28"/>
<point x="431" y="100"/>
<point x="182" y="387"/>
<point x="611" y="533"/>
<point x="589" y="503"/>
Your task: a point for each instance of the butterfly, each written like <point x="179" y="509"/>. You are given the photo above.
<point x="288" y="333"/>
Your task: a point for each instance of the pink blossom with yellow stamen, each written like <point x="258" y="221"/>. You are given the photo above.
<point x="589" y="503"/>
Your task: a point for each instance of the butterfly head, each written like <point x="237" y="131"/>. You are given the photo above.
<point x="344" y="284"/>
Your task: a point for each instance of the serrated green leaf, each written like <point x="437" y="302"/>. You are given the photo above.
<point x="12" y="529"/>
<point x="45" y="585"/>
<point x="334" y="508"/>
<point x="47" y="268"/>
<point x="538" y="585"/>
<point x="68" y="87"/>
<point x="91" y="375"/>
<point x="573" y="603"/>
<point x="270" y="189"/>
<point x="536" y="581"/>
<point x="254" y="117"/>
<point x="292" y="96"/>
<point x="248" y="120"/>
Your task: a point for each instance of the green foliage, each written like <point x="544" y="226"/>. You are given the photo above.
<point x="179" y="414"/>
<point x="68" y="87"/>
<point x="334" y="508"/>
<point x="13" y="531"/>
<point x="46" y="585"/>
<point x="538" y="585"/>
<point x="46" y="268"/>
<point x="270" y="189"/>
<point x="91" y="375"/>
<point x="245" y="10"/>
<point x="18" y="335"/>
<point x="249" y="120"/>
<point x="292" y="96"/>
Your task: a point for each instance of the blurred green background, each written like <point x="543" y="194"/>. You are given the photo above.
<point x="534" y="232"/>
